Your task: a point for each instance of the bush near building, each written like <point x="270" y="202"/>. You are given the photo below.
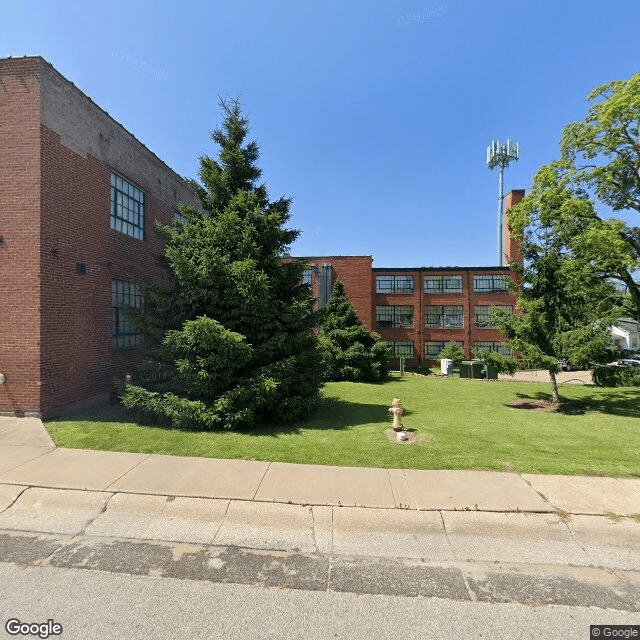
<point x="349" y="351"/>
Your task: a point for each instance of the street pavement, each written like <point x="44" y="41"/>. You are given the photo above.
<point x="462" y="535"/>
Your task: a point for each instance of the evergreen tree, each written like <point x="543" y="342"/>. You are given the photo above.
<point x="350" y="352"/>
<point x="452" y="351"/>
<point x="230" y="342"/>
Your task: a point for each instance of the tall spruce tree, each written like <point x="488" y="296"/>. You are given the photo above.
<point x="350" y="352"/>
<point x="230" y="342"/>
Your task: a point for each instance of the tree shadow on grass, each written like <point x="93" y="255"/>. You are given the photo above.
<point x="333" y="413"/>
<point x="618" y="402"/>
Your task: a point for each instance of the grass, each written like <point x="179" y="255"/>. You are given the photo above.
<point x="457" y="424"/>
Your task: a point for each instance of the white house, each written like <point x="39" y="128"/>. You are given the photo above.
<point x="626" y="334"/>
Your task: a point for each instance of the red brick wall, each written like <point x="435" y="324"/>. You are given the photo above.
<point x="77" y="354"/>
<point x="419" y="334"/>
<point x="57" y="152"/>
<point x="511" y="246"/>
<point x="439" y="334"/>
<point x="356" y="275"/>
<point x="413" y="334"/>
<point x="20" y="230"/>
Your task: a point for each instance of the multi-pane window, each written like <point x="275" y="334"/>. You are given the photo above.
<point x="124" y="295"/>
<point x="500" y="347"/>
<point x="394" y="284"/>
<point x="433" y="349"/>
<point x="485" y="284"/>
<point x="447" y="317"/>
<point x="306" y="277"/>
<point x="443" y="284"/>
<point x="388" y="317"/>
<point x="401" y="349"/>
<point x="127" y="208"/>
<point x="483" y="314"/>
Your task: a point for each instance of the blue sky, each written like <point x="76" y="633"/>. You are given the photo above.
<point x="375" y="116"/>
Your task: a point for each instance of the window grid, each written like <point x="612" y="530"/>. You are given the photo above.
<point x="306" y="277"/>
<point x="499" y="347"/>
<point x="394" y="284"/>
<point x="402" y="348"/>
<point x="485" y="284"/>
<point x="127" y="208"/>
<point x="443" y="284"/>
<point x="124" y="295"/>
<point x="483" y="315"/>
<point x="448" y="317"/>
<point x="388" y="317"/>
<point x="432" y="349"/>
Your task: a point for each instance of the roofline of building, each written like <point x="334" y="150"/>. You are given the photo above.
<point x="76" y="88"/>
<point x="423" y="268"/>
<point x="324" y="257"/>
<point x="453" y="268"/>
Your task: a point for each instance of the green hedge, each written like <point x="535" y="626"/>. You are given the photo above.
<point x="605" y="375"/>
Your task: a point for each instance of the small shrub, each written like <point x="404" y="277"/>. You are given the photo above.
<point x="421" y="369"/>
<point x="452" y="351"/>
<point x="605" y="375"/>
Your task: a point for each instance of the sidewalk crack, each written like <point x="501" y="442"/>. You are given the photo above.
<point x="535" y="490"/>
<point x="83" y="531"/>
<point x="128" y="471"/>
<point x="410" y="491"/>
<point x="586" y="553"/>
<point x="15" y="499"/>
<point x="329" y="570"/>
<point x="472" y="595"/>
<point x="446" y="534"/>
<point x="313" y="531"/>
<point x="261" y="480"/>
<point x="224" y="517"/>
<point x="22" y="464"/>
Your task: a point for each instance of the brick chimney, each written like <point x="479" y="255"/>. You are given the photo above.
<point x="511" y="245"/>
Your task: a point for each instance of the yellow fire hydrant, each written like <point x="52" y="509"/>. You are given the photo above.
<point x="396" y="410"/>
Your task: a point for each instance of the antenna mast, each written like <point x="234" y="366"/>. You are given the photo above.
<point x="500" y="155"/>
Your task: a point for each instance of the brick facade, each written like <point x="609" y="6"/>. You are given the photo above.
<point x="58" y="252"/>
<point x="356" y="274"/>
<point x="360" y="283"/>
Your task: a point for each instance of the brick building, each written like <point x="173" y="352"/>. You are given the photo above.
<point x="419" y="309"/>
<point x="78" y="197"/>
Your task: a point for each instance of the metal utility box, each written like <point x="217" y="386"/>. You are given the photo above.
<point x="446" y="366"/>
<point x="477" y="370"/>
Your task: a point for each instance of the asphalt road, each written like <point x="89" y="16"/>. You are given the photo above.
<point x="93" y="604"/>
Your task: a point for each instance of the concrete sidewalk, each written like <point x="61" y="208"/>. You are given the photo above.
<point x="448" y="516"/>
<point x="28" y="457"/>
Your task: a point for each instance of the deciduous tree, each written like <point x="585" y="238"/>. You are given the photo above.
<point x="602" y="155"/>
<point x="564" y="306"/>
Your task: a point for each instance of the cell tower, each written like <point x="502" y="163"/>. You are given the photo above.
<point x="500" y="155"/>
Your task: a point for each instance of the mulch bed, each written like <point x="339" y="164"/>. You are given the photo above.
<point x="531" y="404"/>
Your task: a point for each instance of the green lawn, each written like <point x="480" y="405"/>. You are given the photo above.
<point x="457" y="424"/>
